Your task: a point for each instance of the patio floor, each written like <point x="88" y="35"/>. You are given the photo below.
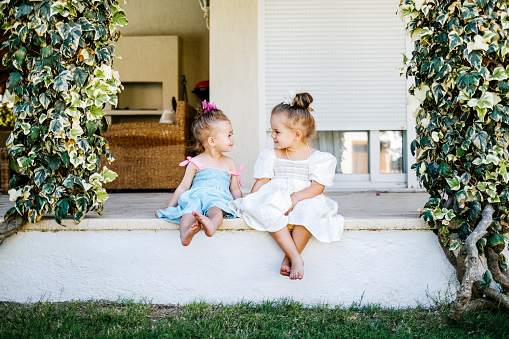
<point x="352" y="205"/>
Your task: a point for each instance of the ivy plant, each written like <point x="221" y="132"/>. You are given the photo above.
<point x="6" y="117"/>
<point x="460" y="100"/>
<point x="60" y="63"/>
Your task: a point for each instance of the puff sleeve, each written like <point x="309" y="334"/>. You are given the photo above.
<point x="264" y="166"/>
<point x="322" y="168"/>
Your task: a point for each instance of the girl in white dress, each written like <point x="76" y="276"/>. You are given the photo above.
<point x="290" y="179"/>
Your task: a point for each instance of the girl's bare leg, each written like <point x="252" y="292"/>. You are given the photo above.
<point x="189" y="226"/>
<point x="212" y="221"/>
<point x="285" y="242"/>
<point x="300" y="236"/>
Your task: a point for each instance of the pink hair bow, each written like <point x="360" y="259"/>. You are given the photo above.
<point x="237" y="173"/>
<point x="207" y="106"/>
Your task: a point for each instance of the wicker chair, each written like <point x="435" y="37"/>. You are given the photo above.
<point x="147" y="155"/>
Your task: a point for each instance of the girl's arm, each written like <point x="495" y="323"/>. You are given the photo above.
<point x="307" y="193"/>
<point x="235" y="187"/>
<point x="184" y="185"/>
<point x="259" y="183"/>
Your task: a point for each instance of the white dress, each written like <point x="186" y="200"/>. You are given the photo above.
<point x="265" y="209"/>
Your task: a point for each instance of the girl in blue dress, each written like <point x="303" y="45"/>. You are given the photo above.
<point x="211" y="179"/>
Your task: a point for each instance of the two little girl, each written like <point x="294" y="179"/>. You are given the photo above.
<point x="290" y="179"/>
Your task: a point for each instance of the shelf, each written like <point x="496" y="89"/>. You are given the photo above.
<point x="133" y="112"/>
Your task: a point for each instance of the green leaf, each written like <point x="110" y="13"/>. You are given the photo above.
<point x="119" y="19"/>
<point x="443" y="72"/>
<point x="56" y="126"/>
<point x="61" y="210"/>
<point x="78" y="217"/>
<point x="480" y="140"/>
<point x="14" y="80"/>
<point x="502" y="262"/>
<point x="23" y="9"/>
<point x="465" y="178"/>
<point x="61" y="84"/>
<point x="454" y="183"/>
<point x="108" y="175"/>
<point x="438" y="92"/>
<point x="474" y="211"/>
<point x="499" y="73"/>
<point x="65" y="158"/>
<point x="487" y="278"/>
<point x="96" y="112"/>
<point x="80" y="77"/>
<point x="102" y="196"/>
<point x="464" y="230"/>
<point x="40" y="175"/>
<point x="70" y="34"/>
<point x="481" y="3"/>
<point x="454" y="40"/>
<point x="444" y="169"/>
<point x="45" y="100"/>
<point x="41" y="29"/>
<point x="485" y="101"/>
<point x="495" y="240"/>
<point x="480" y="244"/>
<point x="53" y="162"/>
<point x="475" y="59"/>
<point x="92" y="127"/>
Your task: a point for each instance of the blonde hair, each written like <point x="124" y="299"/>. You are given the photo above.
<point x="204" y="125"/>
<point x="298" y="115"/>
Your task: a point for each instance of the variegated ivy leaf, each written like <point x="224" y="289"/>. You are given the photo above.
<point x="76" y="158"/>
<point x="75" y="132"/>
<point x="108" y="175"/>
<point x="14" y="193"/>
<point x="426" y="31"/>
<point x="101" y="194"/>
<point x="454" y="246"/>
<point x="502" y="170"/>
<point x="499" y="73"/>
<point x="485" y="101"/>
<point x="492" y="159"/>
<point x="454" y="40"/>
<point x="454" y="183"/>
<point x="505" y="20"/>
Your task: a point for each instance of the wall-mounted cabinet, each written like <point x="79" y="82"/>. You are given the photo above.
<point x="150" y="72"/>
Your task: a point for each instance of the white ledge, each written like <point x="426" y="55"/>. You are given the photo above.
<point x="106" y="224"/>
<point x="135" y="211"/>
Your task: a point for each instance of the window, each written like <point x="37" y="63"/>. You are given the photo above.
<point x="365" y="158"/>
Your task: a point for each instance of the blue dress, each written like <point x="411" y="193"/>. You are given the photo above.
<point x="210" y="188"/>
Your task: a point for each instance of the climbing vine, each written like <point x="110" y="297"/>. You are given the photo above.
<point x="460" y="100"/>
<point x="60" y="63"/>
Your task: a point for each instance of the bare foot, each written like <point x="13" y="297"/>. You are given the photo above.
<point x="191" y="232"/>
<point x="285" y="266"/>
<point x="297" y="271"/>
<point x="208" y="225"/>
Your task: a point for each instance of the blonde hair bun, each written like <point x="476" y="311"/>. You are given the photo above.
<point x="303" y="100"/>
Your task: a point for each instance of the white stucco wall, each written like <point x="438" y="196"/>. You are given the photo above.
<point x="393" y="268"/>
<point x="234" y="75"/>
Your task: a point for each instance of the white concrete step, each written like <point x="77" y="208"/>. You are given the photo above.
<point x="392" y="259"/>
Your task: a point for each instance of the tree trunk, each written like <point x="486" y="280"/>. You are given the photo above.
<point x="11" y="226"/>
<point x="498" y="276"/>
<point x="472" y="262"/>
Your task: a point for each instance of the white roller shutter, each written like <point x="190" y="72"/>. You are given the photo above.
<point x="343" y="52"/>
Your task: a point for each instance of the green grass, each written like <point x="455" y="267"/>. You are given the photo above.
<point x="281" y="319"/>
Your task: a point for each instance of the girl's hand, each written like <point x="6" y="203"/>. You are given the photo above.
<point x="295" y="200"/>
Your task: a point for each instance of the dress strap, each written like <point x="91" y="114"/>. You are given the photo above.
<point x="194" y="161"/>
<point x="237" y="173"/>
